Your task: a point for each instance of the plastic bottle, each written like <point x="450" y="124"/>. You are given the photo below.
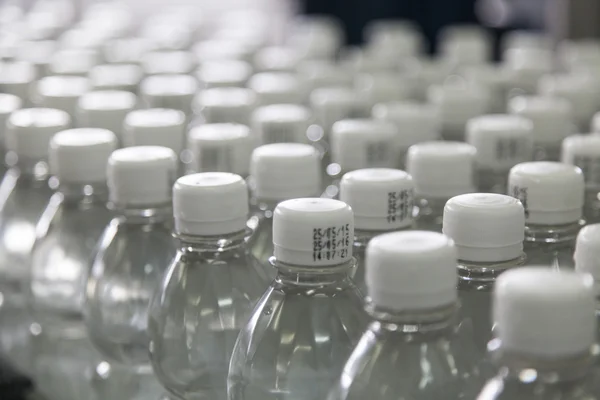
<point x="105" y="109"/>
<point x="382" y="87"/>
<point x="312" y="305"/>
<point x="168" y="62"/>
<point x="126" y="77"/>
<point x="224" y="105"/>
<point x="18" y="78"/>
<point x="68" y="232"/>
<point x="73" y="61"/>
<point x="414" y="121"/>
<point x="223" y="73"/>
<point x="587" y="255"/>
<point x="584" y="152"/>
<point x="462" y="45"/>
<point x="456" y="102"/>
<point x="382" y="200"/>
<point x="276" y="59"/>
<point x="413" y="310"/>
<point x="525" y="66"/>
<point x="440" y="171"/>
<point x="208" y="290"/>
<point x="546" y="327"/>
<point x="502" y="141"/>
<point x="324" y="74"/>
<point x="552" y="122"/>
<point x="493" y="77"/>
<point x="60" y="92"/>
<point x="169" y="91"/>
<point x="278" y="172"/>
<point x="8" y="104"/>
<point x="357" y="144"/>
<point x="221" y="148"/>
<point x="488" y="230"/>
<point x="553" y="197"/>
<point x="277" y="88"/>
<point x="133" y="252"/>
<point x="281" y="123"/>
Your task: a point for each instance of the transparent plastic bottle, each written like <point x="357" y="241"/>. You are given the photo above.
<point x="413" y="308"/>
<point x="125" y="77"/>
<point x="546" y="327"/>
<point x="105" y="109"/>
<point x="24" y="194"/>
<point x="8" y="104"/>
<point x="60" y="92"/>
<point x="220" y="148"/>
<point x="488" y="230"/>
<point x="440" y="171"/>
<point x="68" y="232"/>
<point x="278" y="172"/>
<point x="416" y="123"/>
<point x="132" y="254"/>
<point x="502" y="141"/>
<point x="456" y="102"/>
<point x="552" y="122"/>
<point x="382" y="200"/>
<point x="553" y="196"/>
<point x="169" y="91"/>
<point x="224" y="105"/>
<point x="579" y="90"/>
<point x="306" y="324"/>
<point x="223" y="73"/>
<point x="587" y="257"/>
<point x="281" y="123"/>
<point x="584" y="152"/>
<point x="157" y="127"/>
<point x="208" y="290"/>
<point x="357" y="144"/>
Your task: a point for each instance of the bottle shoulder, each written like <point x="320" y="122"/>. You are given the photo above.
<point x="529" y="388"/>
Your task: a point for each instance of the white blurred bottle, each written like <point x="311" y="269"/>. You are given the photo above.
<point x="553" y="197"/>
<point x="546" y="328"/>
<point x="382" y="200"/>
<point x="502" y="141"/>
<point x="413" y="310"/>
<point x="440" y="170"/>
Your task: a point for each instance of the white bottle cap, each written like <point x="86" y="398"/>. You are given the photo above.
<point x="9" y="103"/>
<point x="416" y="122"/>
<point x="424" y="73"/>
<point x="16" y="77"/>
<point x="277" y="88"/>
<point x="226" y="105"/>
<point x="313" y="232"/>
<point x="584" y="152"/>
<point x="285" y="171"/>
<point x="105" y="109"/>
<point x="382" y="87"/>
<point x="501" y="140"/>
<point x="320" y="74"/>
<point x="494" y="78"/>
<point x="29" y="131"/>
<point x="441" y="169"/>
<point x="596" y="123"/>
<point x="221" y="49"/>
<point x="128" y="50"/>
<point x="333" y="104"/>
<point x="73" y="61"/>
<point x="169" y="91"/>
<point x="221" y="148"/>
<point x="155" y="127"/>
<point x="38" y="53"/>
<point x="551" y="117"/>
<point x="317" y="37"/>
<point x="168" y="62"/>
<point x="552" y="193"/>
<point x="526" y="39"/>
<point x="61" y="92"/>
<point x="382" y="198"/>
<point x="545" y="313"/>
<point x="525" y="67"/>
<point x="277" y="59"/>
<point x="398" y="37"/>
<point x="81" y="155"/>
<point x="141" y="176"/>
<point x="486" y="227"/>
<point x="225" y="73"/>
<point x="465" y="45"/>
<point x="364" y="143"/>
<point x="587" y="253"/>
<point x="210" y="204"/>
<point x="457" y="103"/>
<point x="116" y="77"/>
<point x="578" y="90"/>
<point x="412" y="270"/>
<point x="281" y="123"/>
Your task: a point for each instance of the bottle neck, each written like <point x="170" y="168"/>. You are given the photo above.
<point x="553" y="234"/>
<point x="80" y="193"/>
<point x="212" y="244"/>
<point x="147" y="214"/>
<point x="28" y="169"/>
<point x="363" y="237"/>
<point x="431" y="206"/>
<point x="306" y="275"/>
<point x="414" y="321"/>
<point x="469" y="271"/>
<point x="526" y="368"/>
